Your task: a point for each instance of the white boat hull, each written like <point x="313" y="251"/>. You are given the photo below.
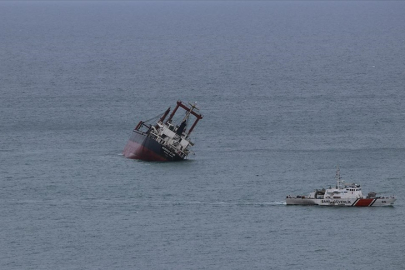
<point x="358" y="202"/>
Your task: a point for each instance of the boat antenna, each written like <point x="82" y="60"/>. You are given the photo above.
<point x="338" y="179"/>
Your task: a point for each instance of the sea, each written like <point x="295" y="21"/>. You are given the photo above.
<point x="289" y="91"/>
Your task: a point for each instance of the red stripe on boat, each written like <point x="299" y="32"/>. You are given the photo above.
<point x="364" y="202"/>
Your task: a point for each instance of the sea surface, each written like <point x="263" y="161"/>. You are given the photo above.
<point x="288" y="90"/>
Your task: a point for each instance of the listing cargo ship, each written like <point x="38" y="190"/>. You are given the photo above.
<point x="342" y="195"/>
<point x="163" y="141"/>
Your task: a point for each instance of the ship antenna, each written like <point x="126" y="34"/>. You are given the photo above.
<point x="338" y="179"/>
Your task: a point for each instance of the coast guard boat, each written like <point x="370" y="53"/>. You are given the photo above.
<point x="342" y="195"/>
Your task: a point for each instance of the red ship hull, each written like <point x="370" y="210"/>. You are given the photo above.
<point x="140" y="146"/>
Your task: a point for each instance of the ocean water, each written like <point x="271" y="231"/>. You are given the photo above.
<point x="289" y="91"/>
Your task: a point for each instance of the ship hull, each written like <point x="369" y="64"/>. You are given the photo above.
<point x="355" y="202"/>
<point x="140" y="146"/>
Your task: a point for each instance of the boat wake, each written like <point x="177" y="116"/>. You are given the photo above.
<point x="217" y="204"/>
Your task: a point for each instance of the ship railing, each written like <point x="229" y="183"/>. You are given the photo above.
<point x="385" y="197"/>
<point x="157" y="138"/>
<point x="176" y="150"/>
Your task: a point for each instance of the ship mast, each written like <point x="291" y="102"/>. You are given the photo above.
<point x="189" y="111"/>
<point x="164" y="115"/>
<point x="338" y="179"/>
<point x="192" y="107"/>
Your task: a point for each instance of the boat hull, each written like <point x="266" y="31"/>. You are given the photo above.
<point x="140" y="146"/>
<point x="356" y="202"/>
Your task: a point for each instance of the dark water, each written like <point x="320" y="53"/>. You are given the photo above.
<point x="289" y="90"/>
